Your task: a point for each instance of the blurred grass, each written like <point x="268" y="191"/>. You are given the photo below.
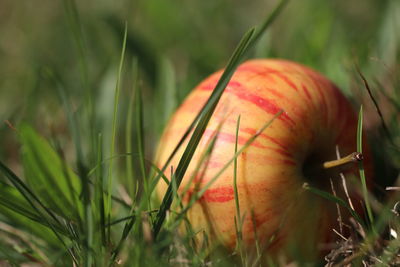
<point x="328" y="35"/>
<point x="177" y="45"/>
<point x="75" y="47"/>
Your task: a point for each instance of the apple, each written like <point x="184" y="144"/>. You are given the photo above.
<point x="277" y="212"/>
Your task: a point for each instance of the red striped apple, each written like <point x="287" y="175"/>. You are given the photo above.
<point x="272" y="170"/>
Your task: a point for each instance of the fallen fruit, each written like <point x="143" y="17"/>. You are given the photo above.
<point x="276" y="211"/>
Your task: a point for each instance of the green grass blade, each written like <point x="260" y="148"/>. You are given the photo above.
<point x="16" y="210"/>
<point x="115" y="198"/>
<point x="89" y="228"/>
<point x="202" y="164"/>
<point x="45" y="213"/>
<point x="114" y="132"/>
<point x="87" y="223"/>
<point x="49" y="177"/>
<point x="251" y="43"/>
<point x="199" y="171"/>
<point x="132" y="218"/>
<point x="11" y="200"/>
<point x="141" y="158"/>
<point x="206" y="113"/>
<point x="238" y="218"/>
<point x="100" y="190"/>
<point x="127" y="229"/>
<point x="248" y="143"/>
<point x="160" y="174"/>
<point x="235" y="174"/>
<point x="222" y="170"/>
<point x="361" y="167"/>
<point x="198" y="132"/>
<point x="130" y="178"/>
<point x="140" y="142"/>
<point x="83" y="174"/>
<point x="335" y="199"/>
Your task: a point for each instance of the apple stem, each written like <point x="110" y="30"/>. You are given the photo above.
<point x="353" y="157"/>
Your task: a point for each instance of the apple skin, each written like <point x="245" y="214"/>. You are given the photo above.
<point x="272" y="170"/>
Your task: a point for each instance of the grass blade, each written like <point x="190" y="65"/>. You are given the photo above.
<point x="238" y="218"/>
<point x="87" y="223"/>
<point x="127" y="229"/>
<point x="246" y="43"/>
<point x="361" y="167"/>
<point x="114" y="132"/>
<point x="335" y="199"/>
<point x="100" y="190"/>
<point x="199" y="171"/>
<point x="202" y="164"/>
<point x="201" y="126"/>
<point x="235" y="175"/>
<point x="49" y="177"/>
<point x="221" y="171"/>
<point x="140" y="142"/>
<point x="45" y="213"/>
<point x="130" y="178"/>
<point x="17" y="211"/>
<point x="252" y="42"/>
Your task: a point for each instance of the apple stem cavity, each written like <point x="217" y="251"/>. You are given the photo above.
<point x="351" y="158"/>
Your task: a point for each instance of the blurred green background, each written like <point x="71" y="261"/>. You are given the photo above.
<point x="45" y="45"/>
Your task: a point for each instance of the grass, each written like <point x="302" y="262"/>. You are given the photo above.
<point x="83" y="195"/>
<point x="204" y="117"/>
